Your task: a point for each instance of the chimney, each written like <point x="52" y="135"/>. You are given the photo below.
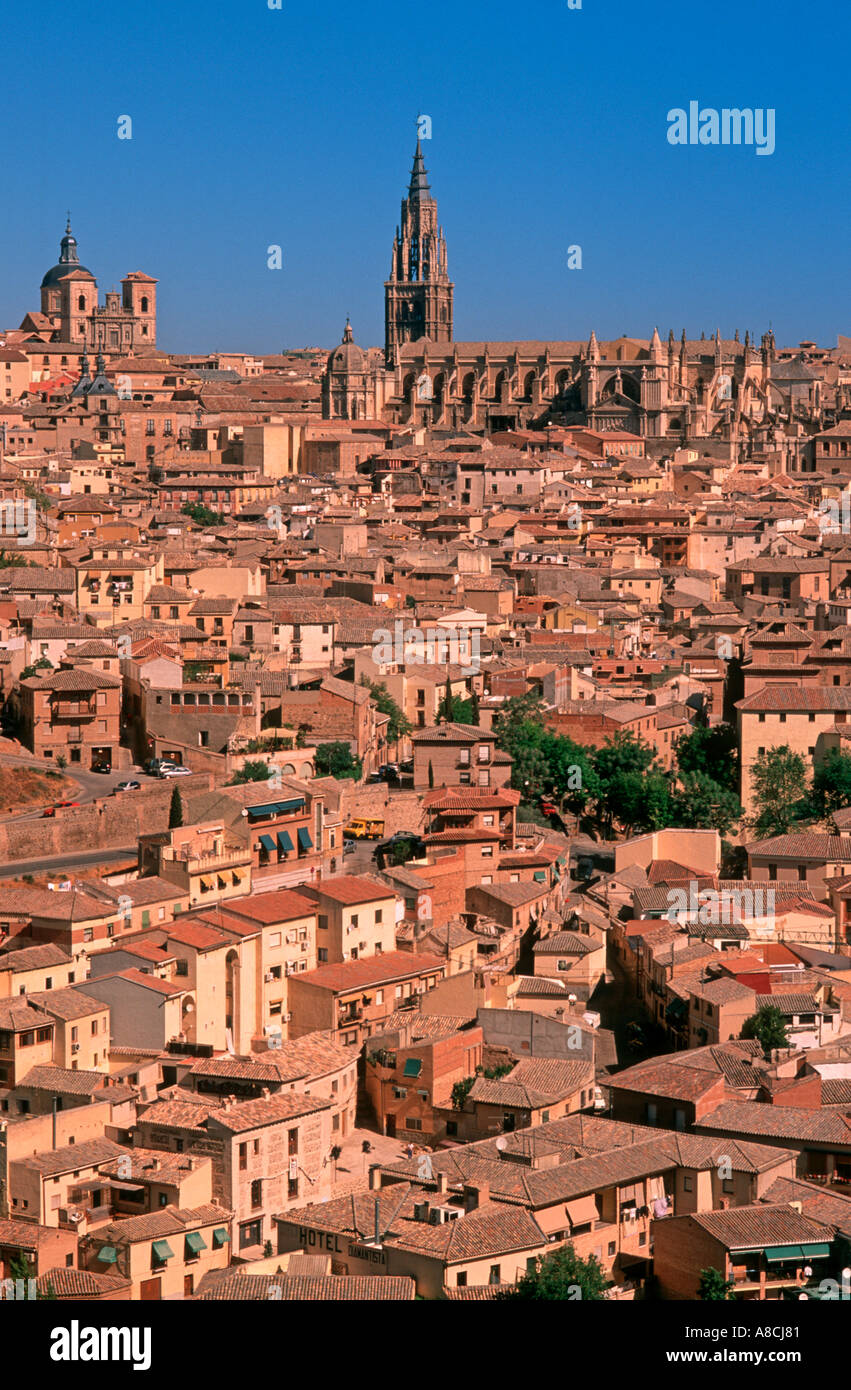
<point x="374" y="1177"/>
<point x="442" y="1183"/>
<point x="476" y="1195"/>
<point x="265" y="1093"/>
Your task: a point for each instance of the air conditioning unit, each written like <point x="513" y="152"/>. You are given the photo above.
<point x="438" y="1216"/>
<point x="421" y="1210"/>
<point x="268" y="977"/>
<point x="75" y="1047"/>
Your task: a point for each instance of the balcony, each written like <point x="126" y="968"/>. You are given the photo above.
<point x="208" y="863"/>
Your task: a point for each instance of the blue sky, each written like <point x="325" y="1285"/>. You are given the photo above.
<point x="296" y="126"/>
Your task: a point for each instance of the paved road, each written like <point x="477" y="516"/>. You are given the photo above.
<point x="91" y="786"/>
<point x="63" y="863"/>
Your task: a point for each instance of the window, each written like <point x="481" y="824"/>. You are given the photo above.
<point x="243" y="1157"/>
<point x="256" y="1194"/>
<point x="461" y="1279"/>
<point x="379" y="915"/>
<point x="688" y="1185"/>
<point x="493" y="1277"/>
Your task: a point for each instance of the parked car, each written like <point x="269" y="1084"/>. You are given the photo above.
<point x="383" y="852"/>
<point x="175" y="771"/>
<point x="349" y="846"/>
<point x="128" y="786"/>
<point x="59" y="806"/>
<point x="101" y="767"/>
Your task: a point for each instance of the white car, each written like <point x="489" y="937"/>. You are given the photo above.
<point x="176" y="771"/>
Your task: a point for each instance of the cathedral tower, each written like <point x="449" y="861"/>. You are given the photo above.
<point x="418" y="295"/>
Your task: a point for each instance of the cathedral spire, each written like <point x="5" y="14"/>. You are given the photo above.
<point x="419" y="191"/>
<point x="418" y="294"/>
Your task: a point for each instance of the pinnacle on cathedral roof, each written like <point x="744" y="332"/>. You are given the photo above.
<point x="419" y="191"/>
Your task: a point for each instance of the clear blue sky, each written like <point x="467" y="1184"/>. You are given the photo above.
<point x="296" y="126"/>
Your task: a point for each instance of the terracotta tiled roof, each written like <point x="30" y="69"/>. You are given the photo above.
<point x="370" y="970"/>
<point x="741" y="1228"/>
<point x="347" y="1288"/>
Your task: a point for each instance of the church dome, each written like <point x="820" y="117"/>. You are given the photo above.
<point x="348" y="357"/>
<point x="68" y="261"/>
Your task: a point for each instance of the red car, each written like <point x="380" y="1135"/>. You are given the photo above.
<point x="59" y="806"/>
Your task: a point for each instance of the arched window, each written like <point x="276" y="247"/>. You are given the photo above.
<point x="81" y="302"/>
<point x="144" y="304"/>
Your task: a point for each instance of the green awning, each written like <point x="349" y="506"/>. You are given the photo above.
<point x="304" y="840"/>
<point x="108" y="1254"/>
<point x="274" y="808"/>
<point x="196" y="1242"/>
<point x="784" y="1252"/>
<point x="285" y="842"/>
<point x="540" y="876"/>
<point x="268" y="843"/>
<point x="816" y="1252"/>
<point x="162" y="1251"/>
<point x="220" y="1237"/>
<point x="413" y="1066"/>
<point x="269" y="808"/>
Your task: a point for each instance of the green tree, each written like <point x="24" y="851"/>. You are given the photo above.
<point x="457" y="711"/>
<point x="175" y="813"/>
<point x="779" y="779"/>
<point x="703" y="804"/>
<point x="769" y="1029"/>
<point x="561" y="1277"/>
<point x="41" y="665"/>
<point x="204" y="516"/>
<point x="519" y="729"/>
<point x="252" y="771"/>
<point x="430" y="776"/>
<point x="399" y="726"/>
<point x="634" y="790"/>
<point x="713" y="1287"/>
<point x="832" y="783"/>
<point x="13" y="560"/>
<point x="570" y="771"/>
<point x="711" y="752"/>
<point x="460" y="1092"/>
<point x="338" y="760"/>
